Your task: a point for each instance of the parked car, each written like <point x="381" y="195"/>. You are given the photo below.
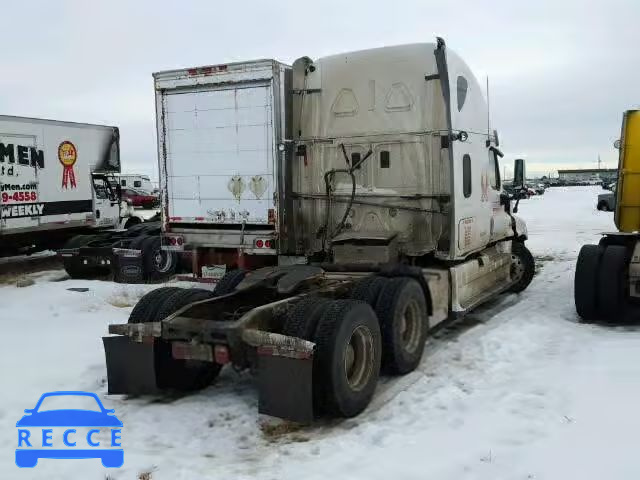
<point x="515" y="194"/>
<point x="607" y="201"/>
<point x="138" y="198"/>
<point x="539" y="188"/>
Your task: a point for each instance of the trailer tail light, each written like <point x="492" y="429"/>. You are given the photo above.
<point x="173" y="242"/>
<point x="264" y="243"/>
<point x="221" y="354"/>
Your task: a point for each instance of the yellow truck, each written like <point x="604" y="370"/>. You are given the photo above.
<point x="607" y="277"/>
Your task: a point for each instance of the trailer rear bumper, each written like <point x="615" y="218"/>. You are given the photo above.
<point x="252" y="242"/>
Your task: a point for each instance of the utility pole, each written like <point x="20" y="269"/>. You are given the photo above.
<point x="599" y="163"/>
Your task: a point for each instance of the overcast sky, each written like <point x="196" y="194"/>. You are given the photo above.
<point x="561" y="72"/>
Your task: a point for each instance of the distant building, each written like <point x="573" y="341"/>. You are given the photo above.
<point x="584" y="175"/>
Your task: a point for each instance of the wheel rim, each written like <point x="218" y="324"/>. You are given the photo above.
<point x="517" y="268"/>
<point x="162" y="260"/>
<point x="358" y="358"/>
<point x="410" y="326"/>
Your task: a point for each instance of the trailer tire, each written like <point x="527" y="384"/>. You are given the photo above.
<point x="523" y="266"/>
<point x="158" y="264"/>
<point x="184" y="375"/>
<point x="368" y="289"/>
<point x="585" y="282"/>
<point x="73" y="265"/>
<point x="612" y="284"/>
<point x="404" y="323"/>
<point x="347" y="360"/>
<point x="147" y="307"/>
<point x="229" y="282"/>
<point x="301" y="321"/>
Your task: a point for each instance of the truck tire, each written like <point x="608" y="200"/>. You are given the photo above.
<point x="368" y="289"/>
<point x="612" y="284"/>
<point x="131" y="222"/>
<point x="184" y="375"/>
<point x="523" y="267"/>
<point x="347" y="359"/>
<point x="585" y="282"/>
<point x="73" y="265"/>
<point x="177" y="299"/>
<point x="404" y="323"/>
<point x="147" y="307"/>
<point x="158" y="264"/>
<point x="301" y="321"/>
<point x="229" y="282"/>
<point x="602" y="206"/>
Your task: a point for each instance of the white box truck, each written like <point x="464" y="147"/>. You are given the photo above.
<point x="54" y="182"/>
<point x="220" y="133"/>
<point x="58" y="191"/>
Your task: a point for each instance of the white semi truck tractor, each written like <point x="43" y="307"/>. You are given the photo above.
<point x="388" y="220"/>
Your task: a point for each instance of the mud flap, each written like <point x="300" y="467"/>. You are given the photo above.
<point x="127" y="266"/>
<point x="285" y="386"/>
<point x="130" y="366"/>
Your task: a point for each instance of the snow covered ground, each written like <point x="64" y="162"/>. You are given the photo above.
<point x="519" y="390"/>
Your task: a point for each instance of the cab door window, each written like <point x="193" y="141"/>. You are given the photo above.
<point x="494" y="171"/>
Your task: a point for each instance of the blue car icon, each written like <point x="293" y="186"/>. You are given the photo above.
<point x="34" y="419"/>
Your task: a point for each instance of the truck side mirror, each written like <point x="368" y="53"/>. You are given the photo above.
<point x="519" y="175"/>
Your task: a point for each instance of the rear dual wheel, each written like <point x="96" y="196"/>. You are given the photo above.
<point x="353" y="340"/>
<point x="347" y="361"/>
<point x="170" y="372"/>
<point x="401" y="308"/>
<point x="601" y="283"/>
<point x="402" y="311"/>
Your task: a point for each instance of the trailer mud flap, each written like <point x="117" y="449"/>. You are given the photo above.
<point x="285" y="385"/>
<point x="130" y="366"/>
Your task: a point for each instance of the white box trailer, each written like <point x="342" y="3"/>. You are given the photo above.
<point x="53" y="180"/>
<point x="220" y="131"/>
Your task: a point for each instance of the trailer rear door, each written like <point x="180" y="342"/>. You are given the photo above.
<point x="219" y="148"/>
